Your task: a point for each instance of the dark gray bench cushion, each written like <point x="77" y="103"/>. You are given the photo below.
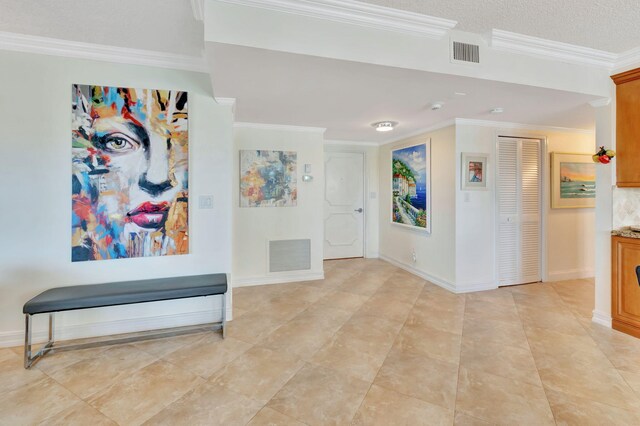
<point x="124" y="293"/>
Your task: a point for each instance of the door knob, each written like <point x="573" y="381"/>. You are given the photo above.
<point x="358" y="210"/>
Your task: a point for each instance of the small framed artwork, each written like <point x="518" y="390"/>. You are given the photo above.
<point x="411" y="186"/>
<point x="573" y="181"/>
<point x="474" y="171"/>
<point x="268" y="178"/>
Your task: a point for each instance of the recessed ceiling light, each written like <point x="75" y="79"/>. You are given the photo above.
<point x="497" y="110"/>
<point x="384" y="126"/>
<point x="436" y="106"/>
<point x="459" y="93"/>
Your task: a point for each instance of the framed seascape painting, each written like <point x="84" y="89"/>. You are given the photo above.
<point x="474" y="171"/>
<point x="268" y="178"/>
<point x="130" y="160"/>
<point x="411" y="186"/>
<point x="573" y="181"/>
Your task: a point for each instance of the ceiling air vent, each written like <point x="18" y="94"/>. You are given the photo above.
<point x="465" y="52"/>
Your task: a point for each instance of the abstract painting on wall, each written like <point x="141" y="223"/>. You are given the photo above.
<point x="129" y="178"/>
<point x="268" y="178"/>
<point x="573" y="181"/>
<point x="411" y="186"/>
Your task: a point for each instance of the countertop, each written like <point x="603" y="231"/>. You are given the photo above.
<point x="625" y="232"/>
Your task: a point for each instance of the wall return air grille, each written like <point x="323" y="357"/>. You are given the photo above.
<point x="465" y="52"/>
<point x="289" y="255"/>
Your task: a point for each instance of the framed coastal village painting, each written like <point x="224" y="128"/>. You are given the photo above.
<point x="474" y="171"/>
<point x="573" y="181"/>
<point x="268" y="178"/>
<point x="411" y="186"/>
<point x="130" y="161"/>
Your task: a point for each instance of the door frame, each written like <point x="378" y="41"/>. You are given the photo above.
<point x="544" y="195"/>
<point x="365" y="198"/>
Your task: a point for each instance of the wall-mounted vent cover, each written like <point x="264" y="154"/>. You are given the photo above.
<point x="465" y="52"/>
<point x="289" y="255"/>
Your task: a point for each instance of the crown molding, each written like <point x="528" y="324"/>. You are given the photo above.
<point x="600" y="102"/>
<point x="285" y="127"/>
<point x="630" y="58"/>
<point x="350" y="143"/>
<point x="549" y="49"/>
<point x="197" y="7"/>
<point x="229" y="102"/>
<point x="519" y="126"/>
<point x="358" y="13"/>
<point x="98" y="52"/>
<point x="627" y="76"/>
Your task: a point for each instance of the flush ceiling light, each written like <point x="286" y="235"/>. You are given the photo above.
<point x="384" y="126"/>
<point x="497" y="110"/>
<point x="436" y="106"/>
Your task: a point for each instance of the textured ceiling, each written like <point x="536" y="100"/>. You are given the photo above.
<point x="610" y="25"/>
<point x="161" y="25"/>
<point x="169" y="26"/>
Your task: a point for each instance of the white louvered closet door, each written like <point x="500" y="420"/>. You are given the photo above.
<point x="518" y="204"/>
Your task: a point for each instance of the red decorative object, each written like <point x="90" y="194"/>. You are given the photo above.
<point x="603" y="155"/>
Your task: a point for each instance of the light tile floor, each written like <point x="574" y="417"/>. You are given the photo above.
<point x="369" y="345"/>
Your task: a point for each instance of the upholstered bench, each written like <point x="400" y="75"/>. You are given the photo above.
<point x="112" y="294"/>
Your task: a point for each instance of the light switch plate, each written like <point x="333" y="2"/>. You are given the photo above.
<point x="205" y="202"/>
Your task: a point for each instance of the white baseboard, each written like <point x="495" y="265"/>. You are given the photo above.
<point x="601" y="318"/>
<point x="277" y="278"/>
<point x="473" y="287"/>
<point x="422" y="274"/>
<point x="570" y="274"/>
<point x="107" y="328"/>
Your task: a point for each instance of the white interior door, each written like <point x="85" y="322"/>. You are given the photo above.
<point x="344" y="205"/>
<point x="519" y="211"/>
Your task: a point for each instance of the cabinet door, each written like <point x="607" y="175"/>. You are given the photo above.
<point x="628" y="128"/>
<point x="626" y="289"/>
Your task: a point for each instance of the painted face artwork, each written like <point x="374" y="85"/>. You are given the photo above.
<point x="130" y="173"/>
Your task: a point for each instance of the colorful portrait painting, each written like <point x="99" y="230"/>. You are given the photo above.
<point x="573" y="179"/>
<point x="411" y="187"/>
<point x="129" y="178"/>
<point x="268" y="178"/>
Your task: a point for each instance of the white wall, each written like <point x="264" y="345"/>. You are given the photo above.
<point x="605" y="181"/>
<point x="254" y="27"/>
<point x="254" y="227"/>
<point x="371" y="190"/>
<point x="475" y="214"/>
<point x="570" y="233"/>
<point x="435" y="252"/>
<point x="35" y="107"/>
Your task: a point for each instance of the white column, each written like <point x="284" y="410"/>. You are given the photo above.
<point x="605" y="181"/>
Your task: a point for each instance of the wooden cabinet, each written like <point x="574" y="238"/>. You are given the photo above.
<point x="625" y="289"/>
<point x="628" y="128"/>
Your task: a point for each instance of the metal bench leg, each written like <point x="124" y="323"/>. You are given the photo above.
<point x="224" y="315"/>
<point x="52" y="328"/>
<point x="28" y="358"/>
<point x="27" y="341"/>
